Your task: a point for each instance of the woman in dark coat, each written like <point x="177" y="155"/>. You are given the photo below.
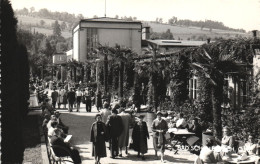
<point x="140" y="135"/>
<point x="99" y="100"/>
<point x="98" y="137"/>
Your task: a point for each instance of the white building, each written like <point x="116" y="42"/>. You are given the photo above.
<point x="106" y="31"/>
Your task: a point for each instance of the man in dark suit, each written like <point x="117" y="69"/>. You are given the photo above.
<point x="71" y="99"/>
<point x="64" y="148"/>
<point x="87" y="95"/>
<point x="60" y="123"/>
<point x="115" y="126"/>
<point x="54" y="97"/>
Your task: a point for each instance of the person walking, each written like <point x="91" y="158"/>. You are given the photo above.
<point x="114" y="124"/>
<point x="87" y="95"/>
<point x="123" y="139"/>
<point x="54" y="97"/>
<point x="71" y="99"/>
<point x="79" y="95"/>
<point x="159" y="128"/>
<point x="105" y="112"/>
<point x="98" y="138"/>
<point x="60" y="97"/>
<point x="64" y="95"/>
<point x="139" y="136"/>
<point x="99" y="100"/>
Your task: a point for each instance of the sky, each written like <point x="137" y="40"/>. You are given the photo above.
<point x="233" y="13"/>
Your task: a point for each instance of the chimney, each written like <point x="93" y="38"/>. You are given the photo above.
<point x="254" y="33"/>
<point x="146" y="33"/>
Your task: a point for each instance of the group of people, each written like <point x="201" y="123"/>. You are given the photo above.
<point x="113" y="126"/>
<point x="56" y="132"/>
<point x="216" y="150"/>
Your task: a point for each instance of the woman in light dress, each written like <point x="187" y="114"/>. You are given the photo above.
<point x="33" y="98"/>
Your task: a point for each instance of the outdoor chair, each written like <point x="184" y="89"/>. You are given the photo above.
<point x="238" y="146"/>
<point x="60" y="159"/>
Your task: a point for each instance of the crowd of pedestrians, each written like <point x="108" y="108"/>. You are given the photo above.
<point x="114" y="121"/>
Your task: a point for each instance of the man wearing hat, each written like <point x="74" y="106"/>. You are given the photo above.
<point x="159" y="128"/>
<point x="115" y="126"/>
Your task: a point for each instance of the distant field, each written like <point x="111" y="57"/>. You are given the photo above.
<point x="35" y="20"/>
<point x="65" y="34"/>
<point x="187" y="32"/>
<point x="178" y="31"/>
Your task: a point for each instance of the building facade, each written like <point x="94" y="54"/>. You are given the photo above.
<point x="105" y="31"/>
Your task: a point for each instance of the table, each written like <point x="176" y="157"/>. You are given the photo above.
<point x="234" y="159"/>
<point x="180" y="135"/>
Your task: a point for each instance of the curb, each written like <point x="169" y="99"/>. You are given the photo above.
<point x="45" y="159"/>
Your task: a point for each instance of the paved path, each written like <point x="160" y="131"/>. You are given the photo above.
<point x="79" y="124"/>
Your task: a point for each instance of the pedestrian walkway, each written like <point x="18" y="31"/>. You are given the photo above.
<point x="80" y="123"/>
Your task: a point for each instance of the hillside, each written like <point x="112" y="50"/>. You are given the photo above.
<point x="193" y="32"/>
<point x="34" y="24"/>
<point x="179" y="32"/>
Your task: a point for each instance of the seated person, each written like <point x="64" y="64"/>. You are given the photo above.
<point x="61" y="125"/>
<point x="45" y="122"/>
<point x="52" y="129"/>
<point x="172" y="123"/>
<point x="46" y="112"/>
<point x="250" y="147"/>
<point x="181" y="123"/>
<point x="206" y="153"/>
<point x="196" y="128"/>
<point x="52" y="119"/>
<point x="227" y="139"/>
<point x="67" y="150"/>
<point x="227" y="142"/>
<point x="46" y="104"/>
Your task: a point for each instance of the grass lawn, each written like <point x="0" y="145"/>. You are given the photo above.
<point x="32" y="140"/>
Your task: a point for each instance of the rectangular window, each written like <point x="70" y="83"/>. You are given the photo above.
<point x="92" y="41"/>
<point x="193" y="87"/>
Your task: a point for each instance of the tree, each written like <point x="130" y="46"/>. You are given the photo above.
<point x="116" y="16"/>
<point x="42" y="22"/>
<point x="172" y="20"/>
<point x="167" y="35"/>
<point x="25" y="11"/>
<point x="61" y="47"/>
<point x="80" y="16"/>
<point x="154" y="69"/>
<point x="44" y="13"/>
<point x="46" y="48"/>
<point x="213" y="67"/>
<point x="56" y="29"/>
<point x="32" y="9"/>
<point x="14" y="87"/>
<point x="63" y="26"/>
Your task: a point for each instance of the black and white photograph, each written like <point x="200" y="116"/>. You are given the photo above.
<point x="130" y="81"/>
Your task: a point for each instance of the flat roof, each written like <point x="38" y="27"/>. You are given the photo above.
<point x="176" y="43"/>
<point x="106" y="20"/>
